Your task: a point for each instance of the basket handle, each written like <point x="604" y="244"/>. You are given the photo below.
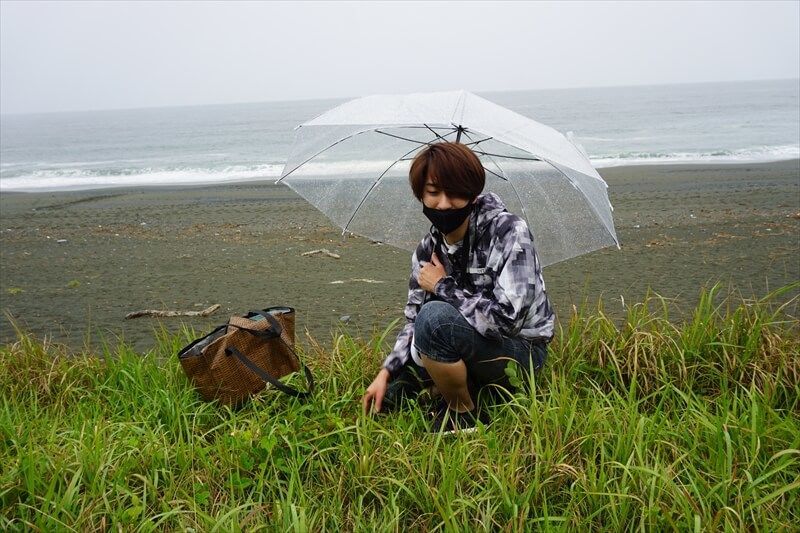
<point x="275" y="329"/>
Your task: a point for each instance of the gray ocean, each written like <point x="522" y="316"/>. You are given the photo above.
<point x="692" y="123"/>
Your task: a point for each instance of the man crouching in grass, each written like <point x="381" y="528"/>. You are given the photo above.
<point x="476" y="298"/>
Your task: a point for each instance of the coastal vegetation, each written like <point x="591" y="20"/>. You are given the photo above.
<point x="642" y="421"/>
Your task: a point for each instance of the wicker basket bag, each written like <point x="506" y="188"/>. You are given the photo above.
<point x="237" y="360"/>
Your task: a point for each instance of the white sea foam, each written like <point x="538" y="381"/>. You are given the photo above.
<point x="79" y="164"/>
<point x="758" y="154"/>
<point x="78" y="179"/>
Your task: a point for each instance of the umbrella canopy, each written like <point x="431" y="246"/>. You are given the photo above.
<point x="352" y="164"/>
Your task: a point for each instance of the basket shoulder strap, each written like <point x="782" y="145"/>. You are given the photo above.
<point x="272" y="380"/>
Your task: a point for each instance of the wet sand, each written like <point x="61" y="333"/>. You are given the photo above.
<point x="72" y="262"/>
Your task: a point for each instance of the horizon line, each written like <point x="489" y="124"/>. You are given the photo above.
<point x="290" y="100"/>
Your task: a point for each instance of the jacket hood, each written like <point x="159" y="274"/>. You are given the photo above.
<point x="487" y="207"/>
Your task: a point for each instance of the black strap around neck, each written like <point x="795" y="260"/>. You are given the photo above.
<point x="460" y="262"/>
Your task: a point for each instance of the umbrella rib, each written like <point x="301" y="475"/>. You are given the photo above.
<point x="476" y="143"/>
<point x="493" y="161"/>
<point x="360" y="133"/>
<point x="437" y="135"/>
<point x="428" y="144"/>
<point x="516" y="192"/>
<point x="591" y="206"/>
<point x="402" y="138"/>
<point x="375" y="183"/>
<point x="323" y="150"/>
<point x="507" y="156"/>
<point x="425" y="127"/>
<point x="494" y="173"/>
<point x="372" y="187"/>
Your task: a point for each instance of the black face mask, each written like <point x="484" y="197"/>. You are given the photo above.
<point x="447" y="220"/>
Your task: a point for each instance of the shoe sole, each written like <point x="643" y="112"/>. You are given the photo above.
<point x="472" y="429"/>
<point x="457" y="431"/>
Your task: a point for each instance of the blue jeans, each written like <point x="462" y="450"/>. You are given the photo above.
<point x="442" y="334"/>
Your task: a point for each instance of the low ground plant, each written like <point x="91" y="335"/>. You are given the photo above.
<point x="639" y="423"/>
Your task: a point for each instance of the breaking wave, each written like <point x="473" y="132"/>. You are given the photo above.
<point x="758" y="154"/>
<point x="75" y="176"/>
<point x="75" y="179"/>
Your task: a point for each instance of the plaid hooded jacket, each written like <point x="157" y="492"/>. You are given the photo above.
<point x="506" y="296"/>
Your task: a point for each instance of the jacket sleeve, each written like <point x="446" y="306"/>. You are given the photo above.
<point x="401" y="352"/>
<point x="514" y="265"/>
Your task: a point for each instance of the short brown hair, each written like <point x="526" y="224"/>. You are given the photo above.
<point x="453" y="167"/>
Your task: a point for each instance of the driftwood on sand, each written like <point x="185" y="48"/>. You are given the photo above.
<point x="157" y="312"/>
<point x="323" y="251"/>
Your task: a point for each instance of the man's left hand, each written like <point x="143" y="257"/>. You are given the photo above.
<point x="430" y="273"/>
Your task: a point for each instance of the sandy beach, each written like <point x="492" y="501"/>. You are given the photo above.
<point x="72" y="262"/>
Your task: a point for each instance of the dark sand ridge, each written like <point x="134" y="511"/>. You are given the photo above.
<point x="681" y="227"/>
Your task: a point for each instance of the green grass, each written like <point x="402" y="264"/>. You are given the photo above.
<point x="638" y="423"/>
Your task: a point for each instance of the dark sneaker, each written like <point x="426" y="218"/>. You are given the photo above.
<point x="406" y="386"/>
<point x="449" y="422"/>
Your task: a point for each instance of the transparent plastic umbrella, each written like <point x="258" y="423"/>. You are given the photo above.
<point x="352" y="164"/>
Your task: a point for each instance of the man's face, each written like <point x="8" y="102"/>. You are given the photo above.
<point x="435" y="198"/>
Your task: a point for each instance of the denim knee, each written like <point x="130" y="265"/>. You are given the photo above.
<point x="433" y="331"/>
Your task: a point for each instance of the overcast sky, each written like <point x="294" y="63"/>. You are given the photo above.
<point x="63" y="56"/>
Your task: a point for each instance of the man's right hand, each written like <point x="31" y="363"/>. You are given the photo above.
<point x="375" y="392"/>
